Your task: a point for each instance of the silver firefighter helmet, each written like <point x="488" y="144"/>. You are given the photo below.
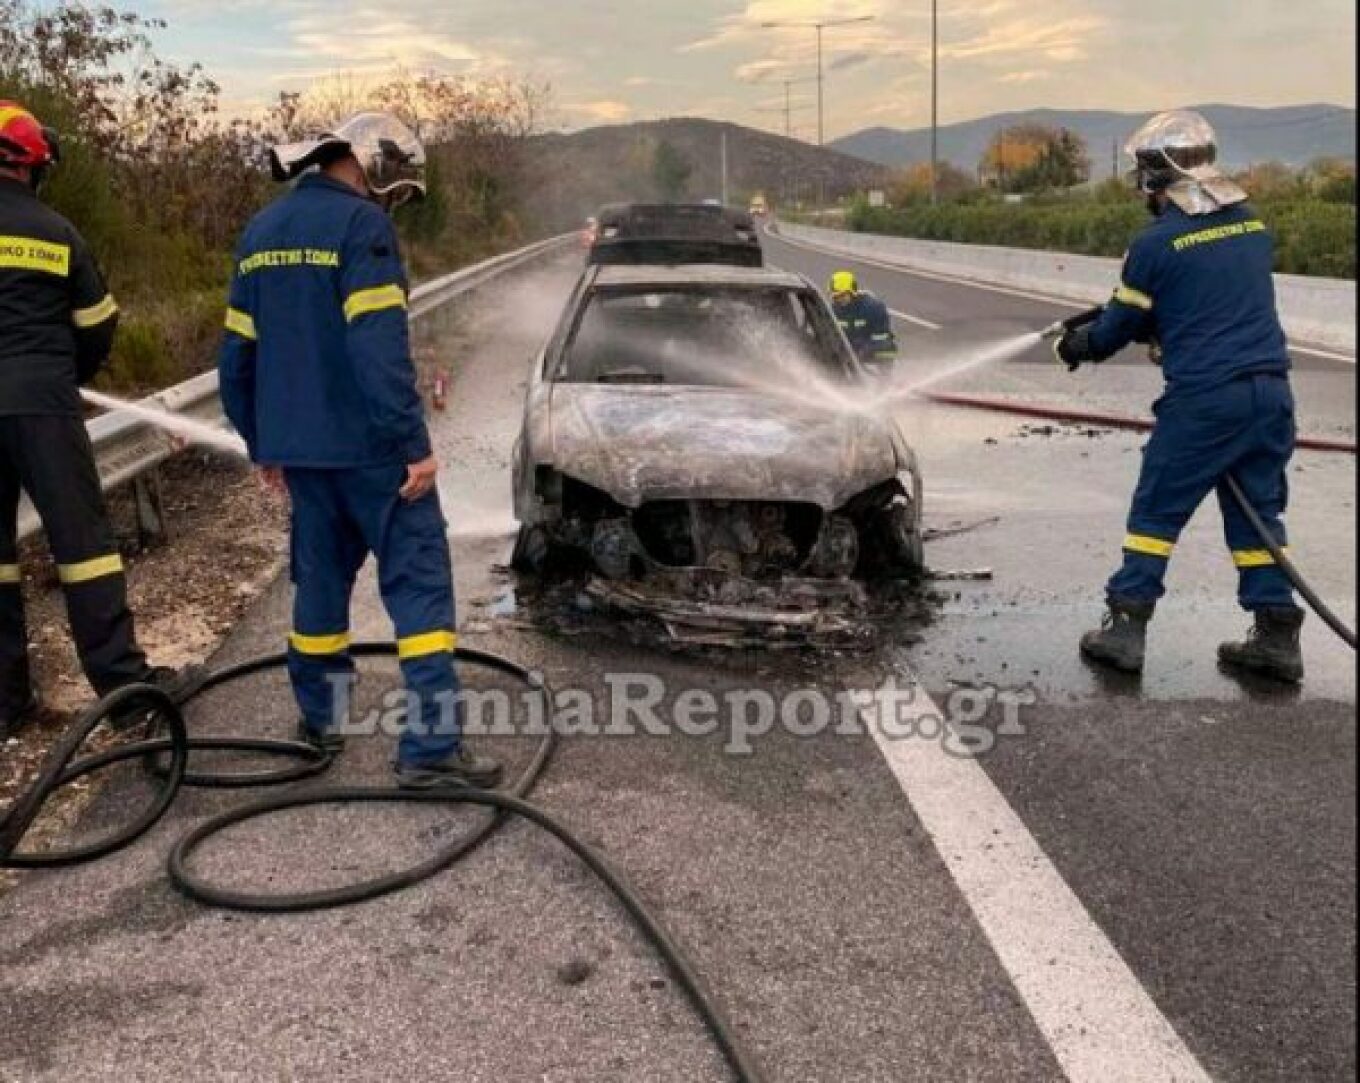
<point x="1175" y="152"/>
<point x="388" y="152"/>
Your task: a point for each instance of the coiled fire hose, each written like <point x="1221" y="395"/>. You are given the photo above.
<point x="166" y="756"/>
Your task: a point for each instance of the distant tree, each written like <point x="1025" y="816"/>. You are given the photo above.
<point x="671" y="171"/>
<point x="1332" y="180"/>
<point x="912" y="185"/>
<point x="1032" y="157"/>
<point x="1271" y="180"/>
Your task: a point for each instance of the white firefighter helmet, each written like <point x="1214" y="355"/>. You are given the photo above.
<point x="388" y="152"/>
<point x="1175" y="153"/>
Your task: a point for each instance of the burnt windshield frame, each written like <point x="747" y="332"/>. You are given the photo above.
<point x="828" y="345"/>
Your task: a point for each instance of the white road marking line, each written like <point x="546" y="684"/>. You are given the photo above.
<point x="1313" y="351"/>
<point x="1100" y="1022"/>
<point x="919" y="321"/>
<point x="1028" y="295"/>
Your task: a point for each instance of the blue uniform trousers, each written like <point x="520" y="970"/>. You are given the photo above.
<point x="1245" y="428"/>
<point x="339" y="517"/>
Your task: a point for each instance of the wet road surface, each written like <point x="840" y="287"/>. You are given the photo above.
<point x="1148" y="882"/>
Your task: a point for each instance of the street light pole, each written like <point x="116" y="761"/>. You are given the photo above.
<point x="821" y="91"/>
<point x="934" y="101"/>
<point x="819" y="26"/>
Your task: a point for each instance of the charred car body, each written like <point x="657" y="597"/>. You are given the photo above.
<point x="675" y="233"/>
<point x="673" y="422"/>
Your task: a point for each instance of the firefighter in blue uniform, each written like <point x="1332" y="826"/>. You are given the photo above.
<point x="316" y="375"/>
<point x="864" y="318"/>
<point x="1197" y="284"/>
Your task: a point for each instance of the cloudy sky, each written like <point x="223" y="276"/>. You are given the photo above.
<point x="612" y="61"/>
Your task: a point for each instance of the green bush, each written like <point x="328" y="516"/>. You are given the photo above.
<point x="1313" y="237"/>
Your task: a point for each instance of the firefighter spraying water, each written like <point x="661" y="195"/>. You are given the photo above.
<point x="1197" y="287"/>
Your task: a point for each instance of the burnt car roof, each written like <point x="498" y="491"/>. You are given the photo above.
<point x="676" y="233"/>
<point x="697" y="274"/>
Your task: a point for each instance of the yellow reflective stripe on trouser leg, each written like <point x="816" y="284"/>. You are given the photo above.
<point x="241" y="324"/>
<point x="361" y="302"/>
<point x="86" y="570"/>
<point x="10" y="574"/>
<point x="1148" y="545"/>
<point x="1254" y="558"/>
<point x="418" y="646"/>
<point x="336" y="643"/>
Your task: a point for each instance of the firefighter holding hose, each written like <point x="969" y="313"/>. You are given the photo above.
<point x="317" y="377"/>
<point x="1197" y="284"/>
<point x="57" y="323"/>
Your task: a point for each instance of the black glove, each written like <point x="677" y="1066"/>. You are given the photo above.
<point x="1074" y="347"/>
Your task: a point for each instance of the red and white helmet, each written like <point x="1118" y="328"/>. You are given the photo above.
<point x="23" y="141"/>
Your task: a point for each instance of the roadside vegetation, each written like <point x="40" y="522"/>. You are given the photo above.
<point x="160" y="182"/>
<point x="1032" y="190"/>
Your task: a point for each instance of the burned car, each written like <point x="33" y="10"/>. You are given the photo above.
<point x="688" y="418"/>
<point x="675" y="233"/>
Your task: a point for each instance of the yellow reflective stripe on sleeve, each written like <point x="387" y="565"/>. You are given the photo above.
<point x="28" y="254"/>
<point x="96" y="314"/>
<point x="1148" y="545"/>
<point x="241" y="324"/>
<point x="86" y="570"/>
<point x="362" y="302"/>
<point x="10" y="573"/>
<point x="1127" y="295"/>
<point x="319" y="645"/>
<point x="1253" y="558"/>
<point x="419" y="646"/>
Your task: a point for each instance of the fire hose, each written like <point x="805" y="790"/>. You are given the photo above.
<point x="1268" y="540"/>
<point x="165" y="754"/>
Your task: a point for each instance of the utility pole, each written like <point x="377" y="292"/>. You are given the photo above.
<point x="1114" y="158"/>
<point x="821" y="91"/>
<point x="934" y="101"/>
<point x="819" y="26"/>
<point x="724" y="167"/>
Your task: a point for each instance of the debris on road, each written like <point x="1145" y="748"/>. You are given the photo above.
<point x="962" y="575"/>
<point x="701" y="607"/>
<point x="956" y="528"/>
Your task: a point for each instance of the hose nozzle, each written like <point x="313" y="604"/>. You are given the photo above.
<point x="1081" y="319"/>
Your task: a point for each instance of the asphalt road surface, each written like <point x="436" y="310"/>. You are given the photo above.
<point x="1140" y="881"/>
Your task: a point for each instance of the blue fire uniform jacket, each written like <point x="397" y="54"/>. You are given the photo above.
<point x="1201" y="286"/>
<point x="330" y="384"/>
<point x="868" y="325"/>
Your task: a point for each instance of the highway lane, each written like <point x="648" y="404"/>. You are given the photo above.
<point x="1169" y="870"/>
<point x="1207" y="825"/>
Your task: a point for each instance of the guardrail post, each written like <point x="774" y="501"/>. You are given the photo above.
<point x="149" y="501"/>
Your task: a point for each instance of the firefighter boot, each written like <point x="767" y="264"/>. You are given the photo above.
<point x="1271" y="647"/>
<point x="1120" y="640"/>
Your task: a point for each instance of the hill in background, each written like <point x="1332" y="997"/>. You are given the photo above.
<point x="572" y="175"/>
<point x="1293" y="134"/>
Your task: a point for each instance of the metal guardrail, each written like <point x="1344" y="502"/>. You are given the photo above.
<point x="126" y="448"/>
